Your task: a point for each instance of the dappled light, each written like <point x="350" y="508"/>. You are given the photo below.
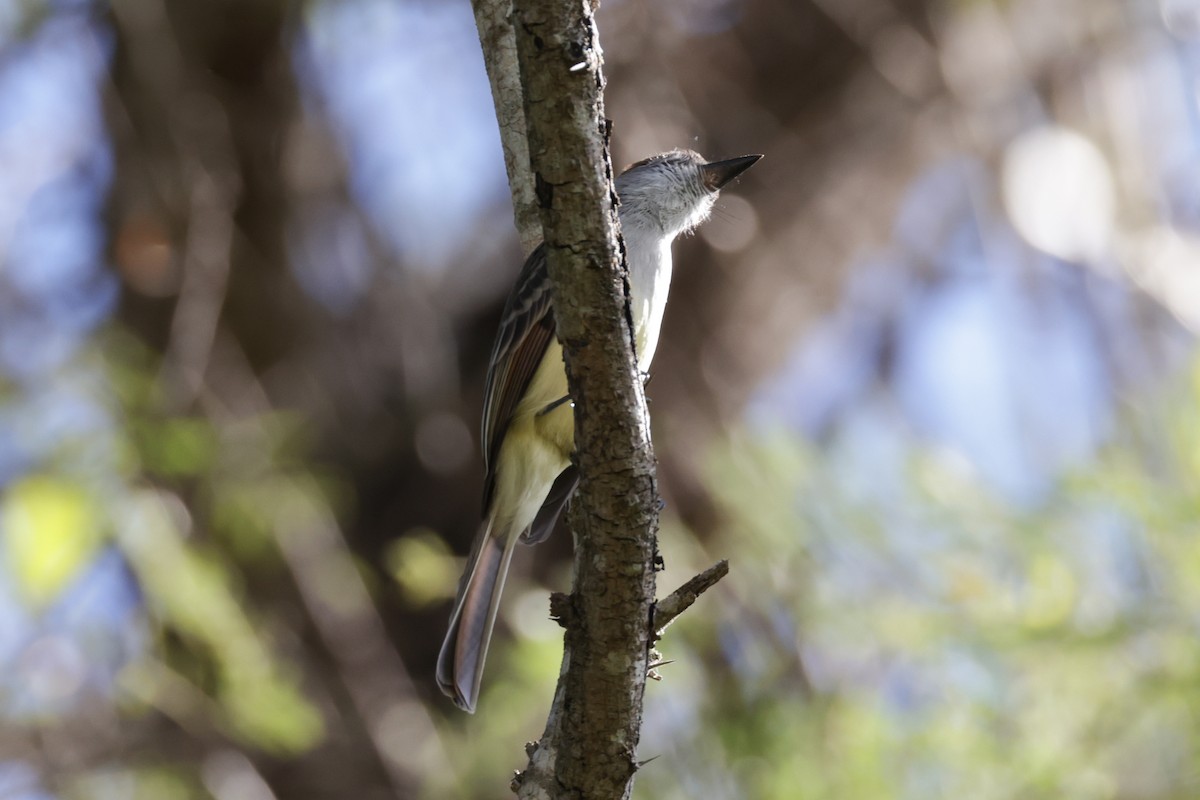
<point x="927" y="380"/>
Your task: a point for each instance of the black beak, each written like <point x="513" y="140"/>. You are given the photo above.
<point x="719" y="173"/>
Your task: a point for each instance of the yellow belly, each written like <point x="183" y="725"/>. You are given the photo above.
<point x="537" y="446"/>
<point x="538" y="443"/>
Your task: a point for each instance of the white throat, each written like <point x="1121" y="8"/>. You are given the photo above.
<point x="649" y="256"/>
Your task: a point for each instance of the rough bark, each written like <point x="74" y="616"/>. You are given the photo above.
<point x="589" y="746"/>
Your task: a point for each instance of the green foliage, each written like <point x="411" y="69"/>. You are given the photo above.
<point x="51" y="530"/>
<point x="950" y="646"/>
<point x="423" y="567"/>
<point x="190" y="499"/>
<point x="913" y="637"/>
<point x="191" y="592"/>
<point x="137" y="783"/>
<point x="176" y="447"/>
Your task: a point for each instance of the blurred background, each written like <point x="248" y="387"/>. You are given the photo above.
<point x="928" y="380"/>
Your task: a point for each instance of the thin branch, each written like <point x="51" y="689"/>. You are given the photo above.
<point x="314" y="547"/>
<point x="682" y="598"/>
<point x="205" y="277"/>
<point x="493" y="19"/>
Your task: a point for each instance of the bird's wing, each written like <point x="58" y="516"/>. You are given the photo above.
<point x="525" y="332"/>
<point x="561" y="493"/>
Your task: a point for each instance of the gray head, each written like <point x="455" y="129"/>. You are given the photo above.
<point x="674" y="192"/>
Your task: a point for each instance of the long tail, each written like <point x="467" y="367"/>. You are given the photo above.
<point x="460" y="662"/>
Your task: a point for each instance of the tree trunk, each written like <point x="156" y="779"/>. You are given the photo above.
<point x="589" y="746"/>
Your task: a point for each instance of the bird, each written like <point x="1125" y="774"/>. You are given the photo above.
<point x="528" y="427"/>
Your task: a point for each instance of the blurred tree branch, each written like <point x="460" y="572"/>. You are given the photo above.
<point x="203" y="99"/>
<point x="314" y="547"/>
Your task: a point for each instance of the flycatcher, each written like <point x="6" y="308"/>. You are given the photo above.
<point x="528" y="422"/>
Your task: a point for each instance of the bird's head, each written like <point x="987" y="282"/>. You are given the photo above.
<point x="674" y="192"/>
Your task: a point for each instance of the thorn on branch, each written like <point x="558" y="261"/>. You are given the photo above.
<point x="641" y="764"/>
<point x="678" y="601"/>
<point x="656" y="661"/>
